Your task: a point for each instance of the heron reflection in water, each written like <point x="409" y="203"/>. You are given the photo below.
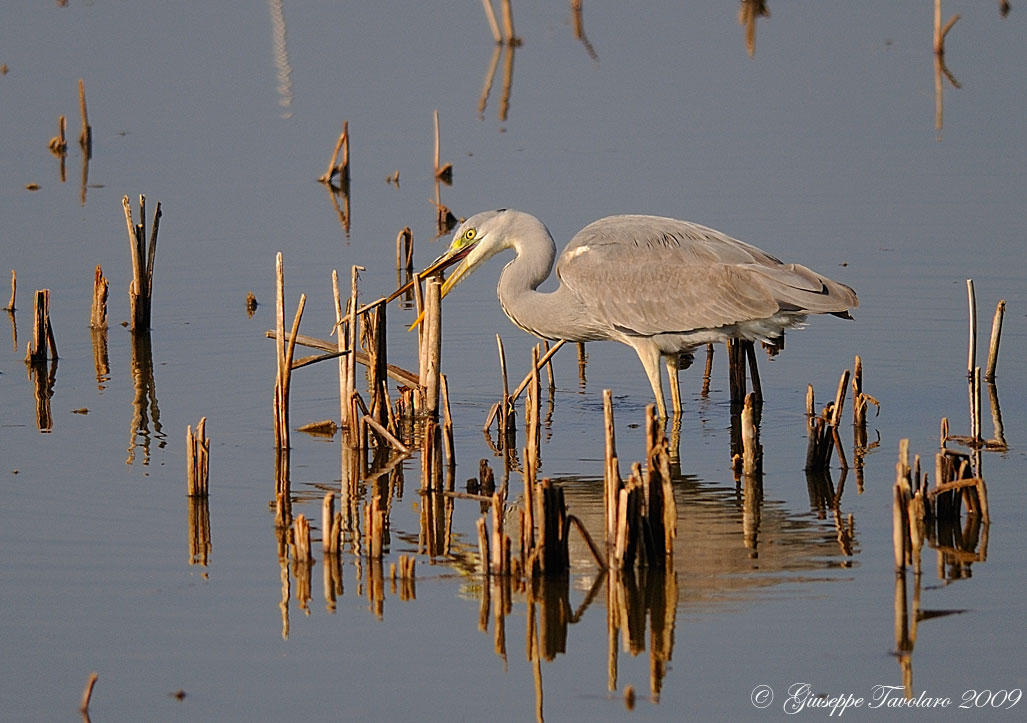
<point x="660" y="285"/>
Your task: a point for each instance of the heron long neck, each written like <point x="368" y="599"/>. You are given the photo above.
<point x="536" y="312"/>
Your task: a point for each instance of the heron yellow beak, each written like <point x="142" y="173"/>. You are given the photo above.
<point x="443" y="262"/>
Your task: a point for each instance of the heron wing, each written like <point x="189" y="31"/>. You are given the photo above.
<point x="645" y="275"/>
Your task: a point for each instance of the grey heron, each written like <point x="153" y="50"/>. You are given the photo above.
<point x="660" y="285"/>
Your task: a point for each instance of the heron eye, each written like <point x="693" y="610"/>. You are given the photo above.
<point x="470" y="233"/>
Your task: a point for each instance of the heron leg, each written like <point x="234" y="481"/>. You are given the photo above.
<point x="673" y="365"/>
<point x="649" y="355"/>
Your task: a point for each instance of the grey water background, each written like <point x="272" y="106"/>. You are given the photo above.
<point x="822" y="149"/>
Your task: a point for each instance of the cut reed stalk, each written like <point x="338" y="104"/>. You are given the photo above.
<point x="85" y="139"/>
<point x="197" y="459"/>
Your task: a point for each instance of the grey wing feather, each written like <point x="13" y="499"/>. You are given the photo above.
<point x="647" y="275"/>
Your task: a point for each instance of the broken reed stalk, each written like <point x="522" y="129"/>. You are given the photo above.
<point x="374" y="527"/>
<point x="493" y="23"/>
<point x="374" y="339"/>
<point x="546" y="359"/>
<point x="140" y="290"/>
<point x="447" y="423"/>
<point x="939" y="31"/>
<point x="284" y="355"/>
<point x="334" y="167"/>
<point x="42" y="331"/>
<point x="971" y="360"/>
<point x="14" y="290"/>
<point x="902" y="495"/>
<point x="431" y="348"/>
<point x="661" y="509"/>
<point x="342" y="339"/>
<point x="975" y="407"/>
<point x="405" y="250"/>
<point x="301" y="538"/>
<point x="87" y="694"/>
<point x="707" y="373"/>
<point x="351" y="344"/>
<point x="442" y="173"/>
<point x="996" y="337"/>
<point x="98" y="312"/>
<point x="59" y="144"/>
<point x="822" y="429"/>
<point x="197" y="450"/>
<point x="505" y="411"/>
<point x="85" y="139"/>
<point x="500" y="547"/>
<point x="509" y="37"/>
<point x="483" y="547"/>
<point x="430" y="462"/>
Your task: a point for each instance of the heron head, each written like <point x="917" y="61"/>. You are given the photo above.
<point x="474" y="241"/>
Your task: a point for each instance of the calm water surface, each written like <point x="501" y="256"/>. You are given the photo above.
<point x="823" y="148"/>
